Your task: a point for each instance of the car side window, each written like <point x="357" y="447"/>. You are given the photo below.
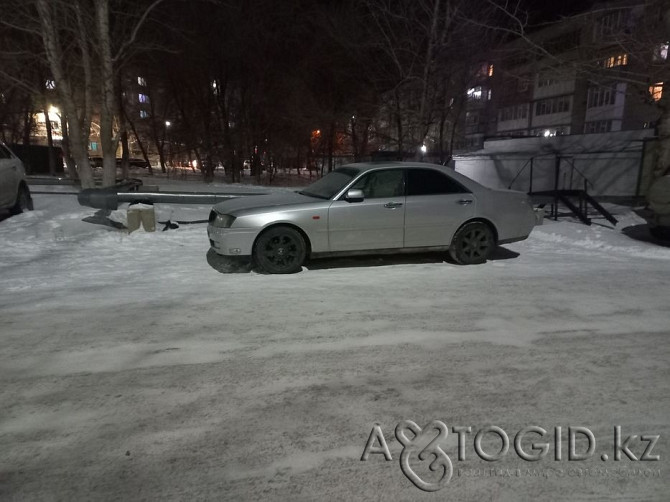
<point x="381" y="184"/>
<point x="431" y="182"/>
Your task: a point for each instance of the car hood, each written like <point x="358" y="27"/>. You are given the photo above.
<point x="255" y="202"/>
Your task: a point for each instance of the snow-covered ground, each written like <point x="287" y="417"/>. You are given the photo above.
<point x="140" y="367"/>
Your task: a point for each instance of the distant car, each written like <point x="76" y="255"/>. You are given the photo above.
<point x="132" y="162"/>
<point x="372" y="208"/>
<point x="14" y="192"/>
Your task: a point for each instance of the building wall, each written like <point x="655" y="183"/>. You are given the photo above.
<point x="611" y="162"/>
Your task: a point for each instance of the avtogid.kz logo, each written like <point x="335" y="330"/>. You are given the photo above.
<point x="530" y="444"/>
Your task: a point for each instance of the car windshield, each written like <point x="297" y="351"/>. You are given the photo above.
<point x="331" y="183"/>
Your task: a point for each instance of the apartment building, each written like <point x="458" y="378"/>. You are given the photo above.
<point x="597" y="72"/>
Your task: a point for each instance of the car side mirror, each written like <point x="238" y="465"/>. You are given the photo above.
<point x="354" y="195"/>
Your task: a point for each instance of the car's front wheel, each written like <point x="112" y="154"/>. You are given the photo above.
<point x="23" y="201"/>
<point x="472" y="244"/>
<point x="280" y="250"/>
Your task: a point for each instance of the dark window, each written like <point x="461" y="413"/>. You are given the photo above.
<point x="4" y="153"/>
<point x="552" y="105"/>
<point x="381" y="184"/>
<point x="431" y="182"/>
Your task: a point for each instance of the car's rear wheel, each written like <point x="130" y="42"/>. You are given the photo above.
<point x="472" y="244"/>
<point x="23" y="201"/>
<point x="280" y="250"/>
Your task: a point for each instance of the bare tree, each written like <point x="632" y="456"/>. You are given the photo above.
<point x="417" y="55"/>
<point x="83" y="45"/>
<point x="638" y="32"/>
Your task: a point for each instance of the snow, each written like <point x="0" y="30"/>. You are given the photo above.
<point x="141" y="366"/>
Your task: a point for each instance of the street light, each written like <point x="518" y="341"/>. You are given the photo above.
<point x="167" y="128"/>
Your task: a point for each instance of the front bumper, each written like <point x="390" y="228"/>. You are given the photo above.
<point x="232" y="241"/>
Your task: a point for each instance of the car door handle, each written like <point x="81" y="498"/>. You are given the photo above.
<point x="465" y="202"/>
<point x="392" y="205"/>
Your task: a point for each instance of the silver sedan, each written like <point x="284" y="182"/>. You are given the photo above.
<point x="371" y="208"/>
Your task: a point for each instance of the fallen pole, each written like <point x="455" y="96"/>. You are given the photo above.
<point x="110" y="198"/>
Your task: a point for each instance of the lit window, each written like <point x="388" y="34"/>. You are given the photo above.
<point x="656" y="91"/>
<point x="490" y="72"/>
<point x="475" y="92"/>
<point x="50" y="84"/>
<point x="141" y="81"/>
<point x="144" y="114"/>
<point x="143" y="98"/>
<point x="661" y="53"/>
<point x="618" y="60"/>
<point x="550" y="133"/>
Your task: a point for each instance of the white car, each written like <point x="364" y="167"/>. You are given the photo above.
<point x="14" y="192"/>
<point x="372" y="208"/>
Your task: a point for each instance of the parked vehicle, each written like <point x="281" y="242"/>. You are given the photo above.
<point x="371" y="208"/>
<point x="35" y="159"/>
<point x="14" y="192"/>
<point x="658" y="214"/>
<point x="132" y="162"/>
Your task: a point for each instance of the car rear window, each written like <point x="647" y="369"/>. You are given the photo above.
<point x="431" y="182"/>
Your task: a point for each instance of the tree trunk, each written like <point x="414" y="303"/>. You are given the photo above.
<point x="125" y="154"/>
<point x="145" y="155"/>
<point x="123" y="125"/>
<point x="663" y="132"/>
<point x="78" y="130"/>
<point x="65" y="145"/>
<point x="331" y="145"/>
<point x="108" y="105"/>
<point x="398" y="122"/>
<point x="27" y="123"/>
<point x="50" y="143"/>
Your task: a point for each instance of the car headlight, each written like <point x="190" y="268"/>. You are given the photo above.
<point x="222" y="220"/>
